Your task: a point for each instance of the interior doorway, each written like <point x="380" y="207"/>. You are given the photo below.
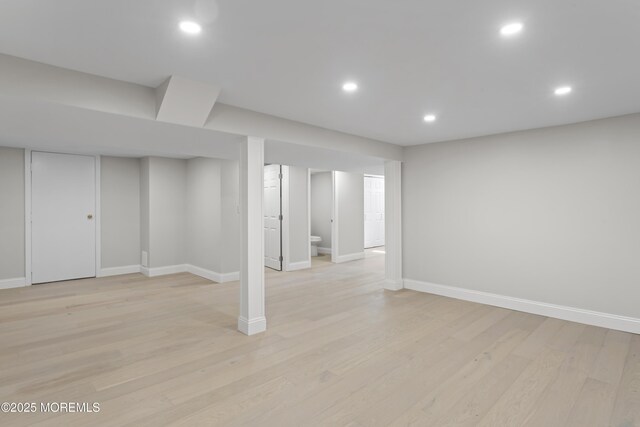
<point x="373" y="211"/>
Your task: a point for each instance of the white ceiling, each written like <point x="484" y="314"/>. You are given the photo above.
<point x="60" y="128"/>
<point x="289" y="57"/>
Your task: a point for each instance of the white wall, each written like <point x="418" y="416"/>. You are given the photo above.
<point x="192" y="213"/>
<point x="144" y="211"/>
<point x="349" y="211"/>
<point x="11" y="213"/>
<point x="167" y="204"/>
<point x="549" y="215"/>
<point x="120" y="210"/>
<point x="321" y="207"/>
<point x="230" y="213"/>
<point x="203" y="214"/>
<point x="299" y="231"/>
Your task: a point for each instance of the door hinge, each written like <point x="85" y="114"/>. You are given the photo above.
<point x="281" y="258"/>
<point x="279" y="176"/>
<point x="280" y="217"/>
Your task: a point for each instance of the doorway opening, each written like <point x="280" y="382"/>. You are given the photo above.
<point x="373" y="211"/>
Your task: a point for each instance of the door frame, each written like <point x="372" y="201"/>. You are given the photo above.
<point x="368" y="175"/>
<point x="281" y="177"/>
<point x="27" y="211"/>
<point x="334" y="218"/>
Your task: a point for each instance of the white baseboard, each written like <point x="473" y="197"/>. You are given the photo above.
<point x="188" y="268"/>
<point x="162" y="271"/>
<point x="212" y="275"/>
<point x="572" y="314"/>
<point x="17" y="282"/>
<point x="116" y="271"/>
<point x="393" y="285"/>
<point x="349" y="257"/>
<point x="324" y="251"/>
<point x="253" y="326"/>
<point x="229" y="277"/>
<point x="298" y="265"/>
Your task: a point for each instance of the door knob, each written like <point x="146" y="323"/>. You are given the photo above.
<point x="90" y="216"/>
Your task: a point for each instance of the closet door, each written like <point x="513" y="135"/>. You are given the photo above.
<point x="63" y="209"/>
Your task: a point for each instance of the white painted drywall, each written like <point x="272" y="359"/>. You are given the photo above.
<point x="321" y="207"/>
<point x="22" y="78"/>
<point x="37" y="82"/>
<point x="191" y="209"/>
<point x="298" y="214"/>
<point x="167" y="203"/>
<point x="120" y="210"/>
<point x="203" y="214"/>
<point x="11" y="213"/>
<point x="349" y="196"/>
<point x="230" y="213"/>
<point x="549" y="215"/>
<point x="144" y="211"/>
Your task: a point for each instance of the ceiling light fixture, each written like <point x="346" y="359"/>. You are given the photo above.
<point x="190" y="27"/>
<point x="511" y="29"/>
<point x="563" y="90"/>
<point x="429" y="118"/>
<point x="350" y="87"/>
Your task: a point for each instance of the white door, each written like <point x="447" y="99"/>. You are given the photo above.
<point x="273" y="217"/>
<point x="373" y="211"/>
<point x="63" y="226"/>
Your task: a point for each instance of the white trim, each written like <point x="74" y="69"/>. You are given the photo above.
<point x="334" y="219"/>
<point x="253" y="326"/>
<point x="98" y="214"/>
<point x="18" y="282"/>
<point x="163" y="271"/>
<point x="27" y="216"/>
<point x="234" y="276"/>
<point x="309" y="216"/>
<point x="195" y="270"/>
<point x="212" y="275"/>
<point x="572" y="314"/>
<point x="323" y="250"/>
<point x="393" y="285"/>
<point x="286" y="224"/>
<point x="117" y="271"/>
<point x="301" y="265"/>
<point x="349" y="257"/>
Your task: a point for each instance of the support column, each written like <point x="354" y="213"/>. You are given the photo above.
<point x="393" y="224"/>
<point x="252" y="313"/>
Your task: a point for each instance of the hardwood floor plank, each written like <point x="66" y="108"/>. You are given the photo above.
<point x="339" y="350"/>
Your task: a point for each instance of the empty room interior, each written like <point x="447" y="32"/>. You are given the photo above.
<point x="291" y="213"/>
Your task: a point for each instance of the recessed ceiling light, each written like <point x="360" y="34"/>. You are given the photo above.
<point x="190" y="27"/>
<point x="429" y="118"/>
<point x="511" y="29"/>
<point x="350" y="87"/>
<point x="563" y="90"/>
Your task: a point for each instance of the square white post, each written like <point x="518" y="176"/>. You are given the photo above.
<point x="252" y="307"/>
<point x="393" y="225"/>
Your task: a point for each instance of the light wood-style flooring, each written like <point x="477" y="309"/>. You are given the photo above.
<point x="339" y="351"/>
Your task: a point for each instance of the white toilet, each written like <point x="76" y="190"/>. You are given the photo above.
<point x="314" y="245"/>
